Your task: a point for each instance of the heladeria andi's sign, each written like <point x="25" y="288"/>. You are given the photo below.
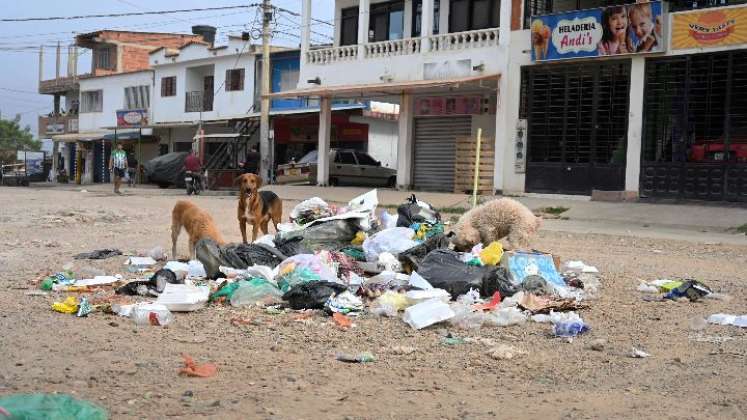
<point x="614" y="30"/>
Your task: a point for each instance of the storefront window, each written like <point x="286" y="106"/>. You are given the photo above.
<point x="349" y="26"/>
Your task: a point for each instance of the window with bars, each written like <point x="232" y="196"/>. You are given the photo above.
<point x="91" y="101"/>
<point x="695" y="108"/>
<point x="137" y="97"/>
<point x="168" y="86"/>
<point x="234" y="80"/>
<point x="104" y="57"/>
<point x="577" y="113"/>
<point x="349" y="26"/>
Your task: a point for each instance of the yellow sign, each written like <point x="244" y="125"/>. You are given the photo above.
<point x="709" y="28"/>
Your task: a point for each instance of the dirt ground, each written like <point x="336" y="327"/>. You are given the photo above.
<point x="281" y="368"/>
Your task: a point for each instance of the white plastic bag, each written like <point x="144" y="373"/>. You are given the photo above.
<point x="394" y="241"/>
<point x="314" y="204"/>
<point x="388" y="220"/>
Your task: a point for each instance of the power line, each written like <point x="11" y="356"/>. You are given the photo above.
<point x="19" y="90"/>
<point x="112" y="15"/>
<point x="291" y="12"/>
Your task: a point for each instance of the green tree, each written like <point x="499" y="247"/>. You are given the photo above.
<point x="13" y="137"/>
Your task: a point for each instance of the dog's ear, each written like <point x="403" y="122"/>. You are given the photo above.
<point x="237" y="179"/>
<point x="259" y="181"/>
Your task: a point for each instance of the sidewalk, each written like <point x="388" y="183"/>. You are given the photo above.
<point x="701" y="223"/>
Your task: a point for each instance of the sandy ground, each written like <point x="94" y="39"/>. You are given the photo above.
<point x="282" y="368"/>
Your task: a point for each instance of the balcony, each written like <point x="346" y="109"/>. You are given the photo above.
<point x="458" y="41"/>
<point x="198" y="101"/>
<point x="61" y="124"/>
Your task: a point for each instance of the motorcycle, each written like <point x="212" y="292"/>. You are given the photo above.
<point x="193" y="182"/>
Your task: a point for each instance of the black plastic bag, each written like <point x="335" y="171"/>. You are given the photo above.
<point x="239" y="256"/>
<point x="291" y="246"/>
<point x="411" y="258"/>
<point x="332" y="235"/>
<point x="312" y="295"/>
<point x="415" y="211"/>
<point x="154" y="286"/>
<point x="99" y="254"/>
<point x="444" y="270"/>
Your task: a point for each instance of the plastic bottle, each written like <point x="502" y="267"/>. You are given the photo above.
<point x="570" y="329"/>
<point x="151" y="314"/>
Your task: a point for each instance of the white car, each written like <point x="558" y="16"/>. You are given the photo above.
<point x="347" y="167"/>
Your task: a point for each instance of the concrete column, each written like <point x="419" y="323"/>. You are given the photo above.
<point x="503" y="131"/>
<point x="405" y="142"/>
<point x="426" y="19"/>
<point x="505" y="29"/>
<point x="443" y="17"/>
<point x="41" y="63"/>
<point x="55" y="160"/>
<point x="57" y="64"/>
<point x="305" y="29"/>
<point x="325" y="130"/>
<point x="364" y="12"/>
<point x="635" y="126"/>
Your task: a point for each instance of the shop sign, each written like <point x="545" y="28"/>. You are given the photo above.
<point x="711" y="28"/>
<point x="613" y="30"/>
<point x="449" y="105"/>
<point x="132" y="118"/>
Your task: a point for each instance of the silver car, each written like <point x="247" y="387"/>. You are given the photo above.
<point x="347" y="167"/>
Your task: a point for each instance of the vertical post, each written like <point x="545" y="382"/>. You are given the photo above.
<point x="69" y="70"/>
<point x="504" y="31"/>
<point x="305" y="29"/>
<point x="264" y="120"/>
<point x="57" y="66"/>
<point x="103" y="161"/>
<point x="635" y="126"/>
<point x="41" y="63"/>
<point x="405" y="142"/>
<point x="56" y="105"/>
<point x="55" y="160"/>
<point x="325" y="130"/>
<point x="476" y="179"/>
<point x="426" y="25"/>
<point x="74" y="59"/>
<point x="364" y="12"/>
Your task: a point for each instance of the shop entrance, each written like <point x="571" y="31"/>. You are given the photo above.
<point x="695" y="127"/>
<point x="577" y="125"/>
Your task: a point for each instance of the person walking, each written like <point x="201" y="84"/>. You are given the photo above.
<point x="118" y="166"/>
<point x="131" y="169"/>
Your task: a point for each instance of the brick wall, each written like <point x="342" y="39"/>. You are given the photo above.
<point x="134" y="58"/>
<point x="151" y="39"/>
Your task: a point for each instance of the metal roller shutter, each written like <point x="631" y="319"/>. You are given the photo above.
<point x="435" y="140"/>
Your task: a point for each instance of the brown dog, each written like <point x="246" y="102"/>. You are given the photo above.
<point x="256" y="207"/>
<point x="196" y="222"/>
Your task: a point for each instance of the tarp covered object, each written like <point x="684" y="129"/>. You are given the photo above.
<point x="167" y="169"/>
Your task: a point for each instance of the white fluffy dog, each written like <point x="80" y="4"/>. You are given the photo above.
<point x="495" y="220"/>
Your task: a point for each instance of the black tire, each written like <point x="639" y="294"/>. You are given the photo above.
<point x="190" y="190"/>
<point x="391" y="182"/>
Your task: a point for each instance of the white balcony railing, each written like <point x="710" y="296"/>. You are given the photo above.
<point x="394" y="47"/>
<point x="332" y="55"/>
<point x="444" y="42"/>
<point x="464" y="40"/>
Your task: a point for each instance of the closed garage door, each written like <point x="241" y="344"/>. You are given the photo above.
<point x="435" y="140"/>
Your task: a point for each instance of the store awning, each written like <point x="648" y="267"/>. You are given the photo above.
<point x="219" y="136"/>
<point x="126" y="135"/>
<point x="84" y="136"/>
<point x="392" y="88"/>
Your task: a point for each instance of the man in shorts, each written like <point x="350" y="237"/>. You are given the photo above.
<point x="118" y="166"/>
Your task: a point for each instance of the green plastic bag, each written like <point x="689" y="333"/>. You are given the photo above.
<point x="256" y="291"/>
<point x="49" y="407"/>
<point x="226" y="291"/>
<point x="301" y="275"/>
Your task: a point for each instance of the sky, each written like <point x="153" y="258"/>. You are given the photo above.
<point x="20" y="41"/>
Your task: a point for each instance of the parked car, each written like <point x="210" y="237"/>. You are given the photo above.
<point x="166" y="170"/>
<point x="347" y="167"/>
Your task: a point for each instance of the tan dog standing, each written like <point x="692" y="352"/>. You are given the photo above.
<point x="256" y="207"/>
<point x="494" y="220"/>
<point x="196" y="222"/>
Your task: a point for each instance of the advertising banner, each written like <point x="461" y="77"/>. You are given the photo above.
<point x="614" y="30"/>
<point x="132" y="118"/>
<point x="709" y="28"/>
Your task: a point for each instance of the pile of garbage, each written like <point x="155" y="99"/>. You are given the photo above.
<point x="349" y="261"/>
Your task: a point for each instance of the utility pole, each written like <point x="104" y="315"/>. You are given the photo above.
<point x="264" y="119"/>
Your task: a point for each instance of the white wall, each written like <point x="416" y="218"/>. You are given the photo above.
<point x="113" y="97"/>
<point x="226" y="105"/>
<point x="382" y="139"/>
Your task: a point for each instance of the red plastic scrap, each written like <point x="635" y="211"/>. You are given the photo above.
<point x="490" y="305"/>
<point x="342" y="321"/>
<point x="191" y="368"/>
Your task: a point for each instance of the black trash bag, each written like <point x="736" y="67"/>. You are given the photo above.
<point x="332" y="235"/>
<point x="443" y="269"/>
<point x="154" y="286"/>
<point x="291" y="246"/>
<point x="239" y="256"/>
<point x="312" y="295"/>
<point x="99" y="254"/>
<point x="415" y="211"/>
<point x="411" y="258"/>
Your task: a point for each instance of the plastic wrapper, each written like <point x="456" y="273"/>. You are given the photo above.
<point x="151" y="314"/>
<point x="67" y="306"/>
<point x="320" y="264"/>
<point x="49" y="406"/>
<point x="390" y="303"/>
<point x="309" y="210"/>
<point x="84" y="307"/>
<point x="255" y="292"/>
<point x="344" y="303"/>
<point x="388" y="262"/>
<point x="492" y="254"/>
<point x="393" y="240"/>
<point x="388" y="220"/>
